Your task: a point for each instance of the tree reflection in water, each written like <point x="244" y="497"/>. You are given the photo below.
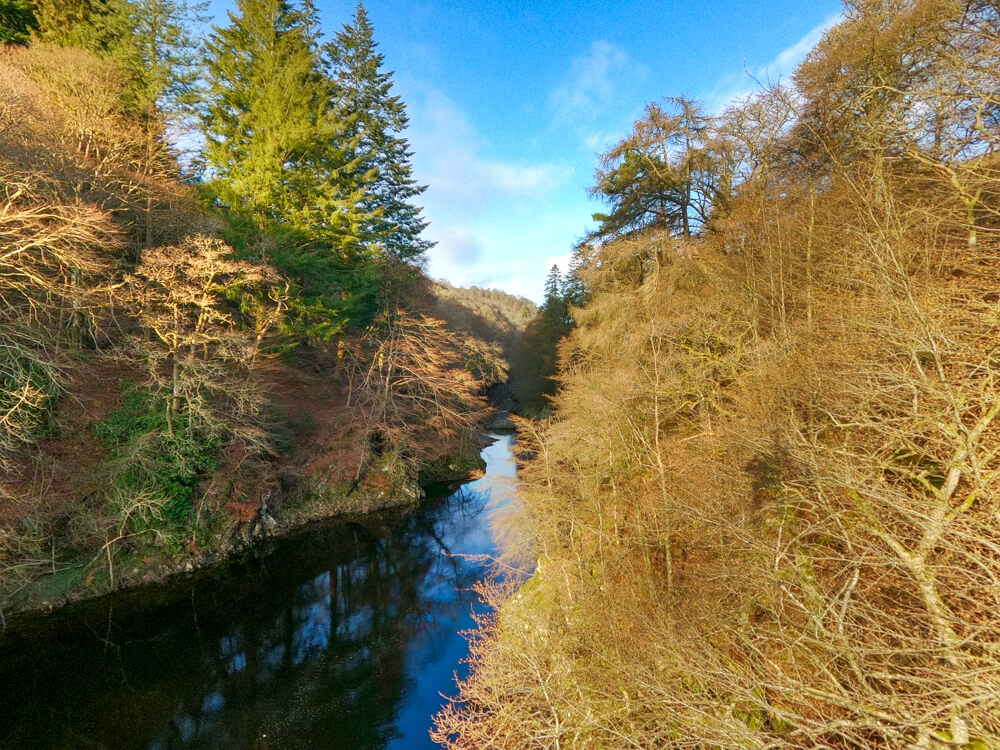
<point x="344" y="637"/>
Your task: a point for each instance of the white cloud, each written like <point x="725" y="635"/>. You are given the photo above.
<point x="520" y="284"/>
<point x="454" y="160"/>
<point x="517" y="269"/>
<point x="562" y="261"/>
<point x="591" y="79"/>
<point x="518" y="249"/>
<point x="781" y="67"/>
<point x="601" y="141"/>
<point x="457" y="245"/>
<point x="483" y="210"/>
<point x="785" y="63"/>
<point x="595" y="81"/>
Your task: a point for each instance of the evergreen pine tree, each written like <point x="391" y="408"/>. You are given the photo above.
<point x="165" y="54"/>
<point x="273" y="148"/>
<point x="375" y="120"/>
<point x="17" y="19"/>
<point x="277" y="154"/>
<point x="100" y="26"/>
<point x="151" y="41"/>
<point x="553" y="285"/>
<point x="574" y="288"/>
<point x="261" y="108"/>
<point x="555" y="312"/>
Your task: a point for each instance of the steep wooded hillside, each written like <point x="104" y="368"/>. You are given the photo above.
<point x="169" y="386"/>
<point x="490" y="314"/>
<point x="765" y="513"/>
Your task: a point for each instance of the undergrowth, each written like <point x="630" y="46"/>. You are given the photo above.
<point x="157" y="454"/>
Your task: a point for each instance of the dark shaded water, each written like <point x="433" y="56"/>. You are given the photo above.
<point x="342" y="637"/>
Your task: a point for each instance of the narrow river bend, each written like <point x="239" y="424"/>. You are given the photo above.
<point x="342" y="637"/>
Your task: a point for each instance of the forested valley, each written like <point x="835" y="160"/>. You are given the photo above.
<point x="213" y="318"/>
<point x="758" y="424"/>
<point x="764" y="510"/>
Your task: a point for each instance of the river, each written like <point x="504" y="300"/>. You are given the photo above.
<point x="343" y="636"/>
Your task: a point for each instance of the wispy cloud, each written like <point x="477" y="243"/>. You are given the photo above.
<point x="599" y="90"/>
<point x="785" y="63"/>
<point x="780" y="68"/>
<point x="458" y="246"/>
<point x="593" y="81"/>
<point x="601" y="140"/>
<point x="474" y="198"/>
<point x="454" y="159"/>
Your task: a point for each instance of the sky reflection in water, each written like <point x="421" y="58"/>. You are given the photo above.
<point x="342" y="638"/>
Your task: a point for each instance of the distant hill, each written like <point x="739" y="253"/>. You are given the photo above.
<point x="489" y="314"/>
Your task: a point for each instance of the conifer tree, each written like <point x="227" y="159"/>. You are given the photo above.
<point x="152" y="44"/>
<point x="165" y="54"/>
<point x="261" y="108"/>
<point x="17" y="19"/>
<point x="554" y="310"/>
<point x="272" y="146"/>
<point x="375" y="122"/>
<point x="151" y="41"/>
<point x="100" y="26"/>
<point x="574" y="288"/>
<point x="278" y="154"/>
<point x="659" y="176"/>
<point x="553" y="283"/>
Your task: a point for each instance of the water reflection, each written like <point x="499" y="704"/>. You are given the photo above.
<point x="344" y="638"/>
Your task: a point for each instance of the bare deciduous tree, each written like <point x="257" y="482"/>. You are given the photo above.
<point x="197" y="352"/>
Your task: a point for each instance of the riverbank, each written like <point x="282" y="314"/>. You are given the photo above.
<point x="345" y="632"/>
<point x="328" y="471"/>
<point x="180" y="375"/>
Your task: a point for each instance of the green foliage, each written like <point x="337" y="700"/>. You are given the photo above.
<point x="332" y="292"/>
<point x="161" y="456"/>
<point x="574" y="287"/>
<point x="284" y="163"/>
<point x="136" y="416"/>
<point x="152" y="43"/>
<point x="271" y="145"/>
<point x="163" y="54"/>
<point x="638" y="195"/>
<point x="534" y="364"/>
<point x="262" y="105"/>
<point x="99" y="26"/>
<point x="19" y="372"/>
<point x="661" y="175"/>
<point x="555" y="310"/>
<point x="380" y="169"/>
<point x="17" y="20"/>
<point x="304" y="148"/>
<point x="534" y="360"/>
<point x="329" y="292"/>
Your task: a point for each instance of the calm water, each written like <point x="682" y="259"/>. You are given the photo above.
<point x="343" y="637"/>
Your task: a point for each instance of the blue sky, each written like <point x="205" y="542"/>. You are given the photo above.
<point x="510" y="102"/>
